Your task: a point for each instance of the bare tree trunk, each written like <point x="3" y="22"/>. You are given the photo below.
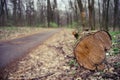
<point x="48" y="12"/>
<point x="107" y="20"/>
<point x="54" y="12"/>
<point x="58" y="18"/>
<point x="86" y="12"/>
<point x="82" y="13"/>
<point x="116" y="5"/>
<point x="94" y="21"/>
<point x="20" y="12"/>
<point x="105" y="14"/>
<point x="99" y="22"/>
<point x="3" y="12"/>
<point x="91" y="14"/>
<point x="30" y="13"/>
<point x="68" y="18"/>
<point x="14" y="11"/>
<point x="74" y="16"/>
<point x="41" y="12"/>
<point x="76" y="12"/>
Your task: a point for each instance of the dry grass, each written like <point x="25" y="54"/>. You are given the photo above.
<point x="8" y="33"/>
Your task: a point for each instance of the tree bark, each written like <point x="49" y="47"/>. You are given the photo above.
<point x="82" y="13"/>
<point x="105" y="19"/>
<point x="99" y="13"/>
<point x="3" y="12"/>
<point x="91" y="14"/>
<point x="116" y="5"/>
<point x="14" y="11"/>
<point x="48" y="12"/>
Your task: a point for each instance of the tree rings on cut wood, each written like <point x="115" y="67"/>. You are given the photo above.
<point x="90" y="50"/>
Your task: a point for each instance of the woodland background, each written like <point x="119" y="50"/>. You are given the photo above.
<point x="92" y="14"/>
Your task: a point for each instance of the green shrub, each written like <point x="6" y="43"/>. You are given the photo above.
<point x="116" y="65"/>
<point x="113" y="34"/>
<point x="115" y="42"/>
<point x="53" y="24"/>
<point x="116" y="51"/>
<point x="40" y="25"/>
<point x="73" y="25"/>
<point x="73" y="63"/>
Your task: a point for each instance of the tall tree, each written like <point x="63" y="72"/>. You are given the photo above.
<point x="41" y="12"/>
<point x="76" y="11"/>
<point x="49" y="12"/>
<point x="91" y="14"/>
<point x="73" y="13"/>
<point x="99" y="8"/>
<point x="14" y="2"/>
<point x="105" y="14"/>
<point x="3" y="12"/>
<point x="82" y="13"/>
<point x="107" y="19"/>
<point x="116" y="9"/>
<point x="19" y="20"/>
<point x="30" y="13"/>
<point x="54" y="11"/>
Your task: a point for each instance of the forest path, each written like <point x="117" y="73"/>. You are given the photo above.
<point x="16" y="48"/>
<point x="49" y="61"/>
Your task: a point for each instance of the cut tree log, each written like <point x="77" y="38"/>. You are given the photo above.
<point x="90" y="50"/>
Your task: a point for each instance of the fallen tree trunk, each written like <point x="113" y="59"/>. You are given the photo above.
<point x="90" y="50"/>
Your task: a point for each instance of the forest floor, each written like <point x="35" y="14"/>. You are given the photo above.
<point x="54" y="60"/>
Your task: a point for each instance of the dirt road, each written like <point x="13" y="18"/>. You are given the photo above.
<point x="11" y="50"/>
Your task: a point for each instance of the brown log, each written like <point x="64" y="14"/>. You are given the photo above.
<point x="90" y="51"/>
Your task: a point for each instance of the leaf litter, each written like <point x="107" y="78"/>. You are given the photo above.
<point x="54" y="60"/>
